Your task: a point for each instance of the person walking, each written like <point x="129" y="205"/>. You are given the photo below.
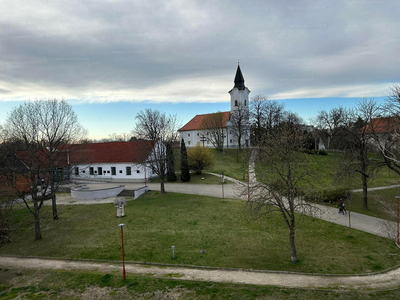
<point x="342" y="208"/>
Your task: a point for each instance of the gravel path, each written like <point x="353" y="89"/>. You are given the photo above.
<point x="383" y="281"/>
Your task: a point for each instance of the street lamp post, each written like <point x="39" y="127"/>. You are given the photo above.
<point x="123" y="255"/>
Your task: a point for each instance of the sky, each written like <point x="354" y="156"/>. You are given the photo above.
<point x="111" y="59"/>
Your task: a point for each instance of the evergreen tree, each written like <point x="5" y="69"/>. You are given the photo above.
<point x="171" y="176"/>
<point x="185" y="176"/>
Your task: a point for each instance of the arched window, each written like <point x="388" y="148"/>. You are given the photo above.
<point x="236" y="103"/>
<point x="244" y="102"/>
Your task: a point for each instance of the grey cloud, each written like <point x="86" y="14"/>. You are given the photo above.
<point x="79" y="47"/>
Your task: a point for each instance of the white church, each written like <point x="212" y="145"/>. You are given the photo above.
<point x="194" y="134"/>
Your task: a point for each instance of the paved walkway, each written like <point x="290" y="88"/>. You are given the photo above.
<point x="357" y="221"/>
<point x="386" y="280"/>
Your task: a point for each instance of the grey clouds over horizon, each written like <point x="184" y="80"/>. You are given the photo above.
<point x="100" y="51"/>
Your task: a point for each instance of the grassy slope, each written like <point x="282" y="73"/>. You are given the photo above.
<point x="226" y="162"/>
<point x="58" y="284"/>
<point x="191" y="223"/>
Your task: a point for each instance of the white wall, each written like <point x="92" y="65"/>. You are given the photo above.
<point x="138" y="172"/>
<point x="194" y="137"/>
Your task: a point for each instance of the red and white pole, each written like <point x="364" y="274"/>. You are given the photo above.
<point x="398" y="219"/>
<point x="123" y="254"/>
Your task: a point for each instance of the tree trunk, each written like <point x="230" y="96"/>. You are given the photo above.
<point x="293" y="245"/>
<point x="53" y="201"/>
<point x="162" y="185"/>
<point x="364" y="182"/>
<point x="38" y="233"/>
<point x="365" y="192"/>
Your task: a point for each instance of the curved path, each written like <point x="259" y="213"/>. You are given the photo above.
<point x="381" y="281"/>
<point x="384" y="280"/>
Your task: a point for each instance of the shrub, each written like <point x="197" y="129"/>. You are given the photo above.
<point x="200" y="158"/>
<point x="327" y="196"/>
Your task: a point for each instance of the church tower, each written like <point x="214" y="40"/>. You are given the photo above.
<point x="239" y="93"/>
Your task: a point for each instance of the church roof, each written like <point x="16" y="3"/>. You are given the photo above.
<point x="194" y="124"/>
<point x="239" y="79"/>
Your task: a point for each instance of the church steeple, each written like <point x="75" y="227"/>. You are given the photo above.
<point x="239" y="80"/>
<point x="239" y="93"/>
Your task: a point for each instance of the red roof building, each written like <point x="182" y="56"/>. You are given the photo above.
<point x="383" y="125"/>
<point x="115" y="161"/>
<point x="195" y="123"/>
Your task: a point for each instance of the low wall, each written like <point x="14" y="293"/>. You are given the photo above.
<point x="82" y="194"/>
<point x="140" y="192"/>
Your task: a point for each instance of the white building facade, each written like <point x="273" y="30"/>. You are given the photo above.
<point x="113" y="161"/>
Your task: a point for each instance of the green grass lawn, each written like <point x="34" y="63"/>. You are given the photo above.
<point x="61" y="284"/>
<point x="230" y="162"/>
<point x="376" y="209"/>
<point x="326" y="174"/>
<point x="191" y="223"/>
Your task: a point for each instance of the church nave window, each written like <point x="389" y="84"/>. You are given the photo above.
<point x="236" y="103"/>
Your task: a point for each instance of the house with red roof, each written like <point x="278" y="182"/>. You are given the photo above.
<point x="194" y="133"/>
<point x="112" y="161"/>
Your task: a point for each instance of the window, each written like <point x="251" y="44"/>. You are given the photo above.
<point x="236" y="103"/>
<point x="120" y="171"/>
<point x="113" y="171"/>
<point x="83" y="171"/>
<point x="230" y="141"/>
<point x="128" y="171"/>
<point x="76" y="171"/>
<point x="138" y="171"/>
<point x="244" y="102"/>
<point x="188" y="142"/>
<point x="198" y="134"/>
<point x="99" y="170"/>
<point x="188" y="134"/>
<point x="91" y="171"/>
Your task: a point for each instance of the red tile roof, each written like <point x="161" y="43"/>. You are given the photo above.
<point x="194" y="124"/>
<point x="383" y="125"/>
<point x="112" y="152"/>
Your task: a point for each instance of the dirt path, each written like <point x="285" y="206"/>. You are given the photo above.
<point x="387" y="280"/>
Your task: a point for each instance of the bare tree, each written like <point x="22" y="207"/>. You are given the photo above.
<point x="44" y="128"/>
<point x="283" y="172"/>
<point x="156" y="126"/>
<point x="257" y="117"/>
<point x="265" y="114"/>
<point x="239" y="122"/>
<point x="357" y="145"/>
<point x="386" y="131"/>
<point x="213" y="125"/>
<point x="330" y="123"/>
